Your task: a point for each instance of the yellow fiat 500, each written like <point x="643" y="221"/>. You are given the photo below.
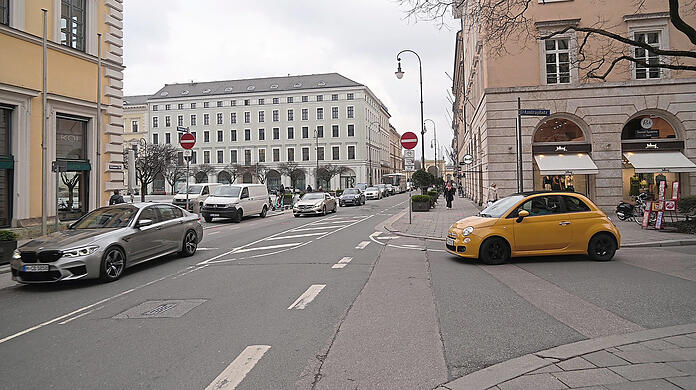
<point x="535" y="224"/>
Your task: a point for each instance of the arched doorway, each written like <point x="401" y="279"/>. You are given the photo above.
<point x="201" y="177"/>
<point x="273" y="179"/>
<point x="562" y="161"/>
<point x="297" y="180"/>
<point x="247" y="178"/>
<point x="652" y="148"/>
<point x="323" y="178"/>
<point x="224" y="177"/>
<point x="347" y="179"/>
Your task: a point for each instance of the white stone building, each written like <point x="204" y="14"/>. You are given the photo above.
<point x="308" y="120"/>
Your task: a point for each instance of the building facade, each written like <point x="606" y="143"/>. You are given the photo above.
<point x="256" y="129"/>
<point x="396" y="159"/>
<point x="91" y="154"/>
<point x="609" y="140"/>
<point x="135" y="127"/>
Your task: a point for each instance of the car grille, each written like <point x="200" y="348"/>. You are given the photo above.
<point x="452" y="236"/>
<point x="41" y="257"/>
<point x="304" y="207"/>
<point x="39" y="276"/>
<point x="452" y="247"/>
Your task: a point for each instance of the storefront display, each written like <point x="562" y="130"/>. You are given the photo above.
<point x="6" y="167"/>
<point x="71" y="146"/>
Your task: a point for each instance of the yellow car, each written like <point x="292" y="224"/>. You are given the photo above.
<point x="535" y="224"/>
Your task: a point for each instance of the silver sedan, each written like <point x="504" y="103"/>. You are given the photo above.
<point x="106" y="241"/>
<point x="315" y="203"/>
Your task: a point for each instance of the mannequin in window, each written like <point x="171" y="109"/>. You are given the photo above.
<point x="556" y="184"/>
<point x="547" y="183"/>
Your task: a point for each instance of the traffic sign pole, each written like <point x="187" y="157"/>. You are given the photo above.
<point x="187" y="141"/>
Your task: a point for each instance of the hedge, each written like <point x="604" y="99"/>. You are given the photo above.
<point x="687" y="204"/>
<point x="6" y="235"/>
<point x="420" y="198"/>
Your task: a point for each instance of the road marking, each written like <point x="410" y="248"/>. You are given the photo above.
<point x="362" y="245"/>
<point x="307" y="297"/>
<point x="342" y="263"/>
<point x="375" y="234"/>
<point x="211" y="233"/>
<point x="233" y="375"/>
<point x="268" y="247"/>
<point x="388" y="237"/>
<point x="78" y="316"/>
<point x="207" y="249"/>
<point x="318" y="228"/>
<point x="295" y="236"/>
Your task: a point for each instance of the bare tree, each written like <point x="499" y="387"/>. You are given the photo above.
<point x="329" y="171"/>
<point x="204" y="168"/>
<point x="292" y="170"/>
<point x="150" y="162"/>
<point x="173" y="173"/>
<point x="260" y="172"/>
<point x="235" y="170"/>
<point x="600" y="51"/>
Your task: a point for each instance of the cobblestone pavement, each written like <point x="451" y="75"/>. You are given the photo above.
<point x="653" y="359"/>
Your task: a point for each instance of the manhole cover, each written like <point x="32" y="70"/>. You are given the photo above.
<point x="172" y="308"/>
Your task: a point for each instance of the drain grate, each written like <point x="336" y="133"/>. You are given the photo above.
<point x="171" y="308"/>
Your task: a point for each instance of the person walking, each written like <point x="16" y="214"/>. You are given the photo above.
<point x="492" y="194"/>
<point x="309" y="188"/>
<point x="116" y="198"/>
<point x="449" y="194"/>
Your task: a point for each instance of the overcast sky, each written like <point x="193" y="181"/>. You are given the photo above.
<point x="174" y="41"/>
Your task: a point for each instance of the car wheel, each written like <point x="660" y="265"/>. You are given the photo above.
<point x="601" y="247"/>
<point x="323" y="210"/>
<point x="264" y="212"/>
<point x="240" y="215"/>
<point x="208" y="218"/>
<point x="494" y="251"/>
<point x="112" y="265"/>
<point x="335" y="208"/>
<point x="296" y="215"/>
<point x="190" y="244"/>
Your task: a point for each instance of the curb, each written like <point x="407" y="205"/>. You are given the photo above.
<point x="513" y="368"/>
<point x="390" y="227"/>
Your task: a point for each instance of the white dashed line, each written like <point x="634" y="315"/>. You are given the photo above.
<point x="362" y="245"/>
<point x="342" y="263"/>
<point x="233" y="375"/>
<point x="307" y="297"/>
<point x="295" y="236"/>
<point x="260" y="248"/>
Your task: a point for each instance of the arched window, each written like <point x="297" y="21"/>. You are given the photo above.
<point x="273" y="179"/>
<point x="648" y="127"/>
<point x="559" y="130"/>
<point x="201" y="177"/>
<point x="247" y="178"/>
<point x="224" y="177"/>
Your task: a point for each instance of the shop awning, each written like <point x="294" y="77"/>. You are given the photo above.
<point x="565" y="164"/>
<point x="652" y="162"/>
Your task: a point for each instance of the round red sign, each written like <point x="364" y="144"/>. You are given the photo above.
<point x="187" y="141"/>
<point x="409" y="140"/>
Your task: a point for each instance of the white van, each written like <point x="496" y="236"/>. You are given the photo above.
<point x="196" y="193"/>
<point x="235" y="201"/>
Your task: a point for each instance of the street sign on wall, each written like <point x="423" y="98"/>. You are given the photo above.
<point x="535" y="112"/>
<point x="187" y="141"/>
<point x="409" y="140"/>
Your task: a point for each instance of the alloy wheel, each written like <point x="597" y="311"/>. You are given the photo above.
<point x="114" y="263"/>
<point x="190" y="243"/>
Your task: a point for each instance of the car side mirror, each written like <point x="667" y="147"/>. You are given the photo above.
<point x="144" y="222"/>
<point x="244" y="196"/>
<point x="522" y="214"/>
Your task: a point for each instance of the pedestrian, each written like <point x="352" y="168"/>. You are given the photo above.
<point x="320" y="189"/>
<point x="449" y="194"/>
<point x="309" y="188"/>
<point x="492" y="194"/>
<point x="116" y="198"/>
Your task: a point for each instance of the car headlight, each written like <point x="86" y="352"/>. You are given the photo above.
<point x="317" y="204"/>
<point x="467" y="230"/>
<point x="16" y="255"/>
<point x="232" y="204"/>
<point x="83" y="251"/>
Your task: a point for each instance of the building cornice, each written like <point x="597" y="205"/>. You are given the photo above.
<point x="57" y="47"/>
<point x="648" y="16"/>
<point x="620" y="84"/>
<point x="553" y="24"/>
<point x="19" y="90"/>
<point x="240" y="94"/>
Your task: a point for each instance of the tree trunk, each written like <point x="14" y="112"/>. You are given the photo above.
<point x="143" y="190"/>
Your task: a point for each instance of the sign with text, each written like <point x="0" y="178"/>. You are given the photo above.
<point x="535" y="112"/>
<point x="675" y="190"/>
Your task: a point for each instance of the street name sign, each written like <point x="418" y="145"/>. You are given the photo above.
<point x="187" y="141"/>
<point x="409" y="140"/>
<point x="182" y="129"/>
<point x="535" y="112"/>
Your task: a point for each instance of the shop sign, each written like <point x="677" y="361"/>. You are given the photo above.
<point x="561" y="149"/>
<point x="646" y="123"/>
<point x="662" y="189"/>
<point x="675" y="190"/>
<point x="646" y="215"/>
<point x="647" y="133"/>
<point x="658" y="206"/>
<point x="651" y="146"/>
<point x="115" y="167"/>
<point x="660" y="218"/>
<point x="670" y="205"/>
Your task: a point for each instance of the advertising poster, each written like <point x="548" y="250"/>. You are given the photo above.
<point x="662" y="190"/>
<point x="658" y="222"/>
<point x="658" y="205"/>
<point x="675" y="190"/>
<point x="646" y="215"/>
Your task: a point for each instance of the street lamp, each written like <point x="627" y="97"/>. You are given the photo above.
<point x="369" y="144"/>
<point x="316" y="173"/>
<point x="434" y="139"/>
<point x="399" y="74"/>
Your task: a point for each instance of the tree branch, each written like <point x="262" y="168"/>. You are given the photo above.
<point x="679" y="23"/>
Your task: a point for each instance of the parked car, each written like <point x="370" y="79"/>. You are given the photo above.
<point x="352" y="196"/>
<point x="106" y="241"/>
<point x="196" y="193"/>
<point x="383" y="190"/>
<point x="361" y="186"/>
<point x="535" y="224"/>
<point x="373" y="193"/>
<point x="391" y="190"/>
<point x="315" y="203"/>
<point x="234" y="201"/>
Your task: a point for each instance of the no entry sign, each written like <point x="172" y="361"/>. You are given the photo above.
<point x="187" y="141"/>
<point x="409" y="140"/>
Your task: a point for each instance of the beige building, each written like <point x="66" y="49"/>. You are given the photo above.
<point x="77" y="136"/>
<point x="135" y="126"/>
<point x="608" y="139"/>
<point x="396" y="159"/>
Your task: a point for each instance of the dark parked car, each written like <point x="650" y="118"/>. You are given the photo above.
<point x="351" y="196"/>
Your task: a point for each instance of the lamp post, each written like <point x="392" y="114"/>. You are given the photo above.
<point x="316" y="173"/>
<point x="434" y="140"/>
<point x="369" y="147"/>
<point x="399" y="74"/>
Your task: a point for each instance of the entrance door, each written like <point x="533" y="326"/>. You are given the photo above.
<point x="545" y="228"/>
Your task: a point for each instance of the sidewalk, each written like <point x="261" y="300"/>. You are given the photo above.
<point x="434" y="224"/>
<point x="662" y="358"/>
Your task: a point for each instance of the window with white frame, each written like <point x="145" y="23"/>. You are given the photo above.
<point x="233" y="117"/>
<point x="206" y="119"/>
<point x="155" y="121"/>
<point x="219" y="118"/>
<point x="291" y="154"/>
<point x="305" y="154"/>
<point x="219" y="136"/>
<point x="334" y="131"/>
<point x="291" y="115"/>
<point x="262" y="116"/>
<point x="167" y="121"/>
<point x="320" y="113"/>
<point x="351" y="152"/>
<point x="247" y="117"/>
<point x="351" y="130"/>
<point x="557" y="54"/>
<point x="206" y="157"/>
<point x="642" y="72"/>
<point x="334" y="112"/>
<point x="276" y="155"/>
<point x="233" y="156"/>
<point x="305" y="114"/>
<point x="73" y="18"/>
<point x="193" y="119"/>
<point x="134" y="126"/>
<point x="320" y="153"/>
<point x="336" y="153"/>
<point x="233" y="135"/>
<point x="262" y="155"/>
<point x="276" y="133"/>
<point x="220" y="156"/>
<point x="180" y="120"/>
<point x="275" y="116"/>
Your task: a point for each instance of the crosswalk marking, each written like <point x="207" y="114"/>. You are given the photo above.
<point x="268" y="247"/>
<point x="318" y="228"/>
<point x="233" y="375"/>
<point x="295" y="236"/>
<point x="362" y="245"/>
<point x="307" y="297"/>
<point x="342" y="263"/>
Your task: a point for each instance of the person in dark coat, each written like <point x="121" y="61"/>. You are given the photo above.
<point x="116" y="198"/>
<point x="449" y="194"/>
<point x="309" y="188"/>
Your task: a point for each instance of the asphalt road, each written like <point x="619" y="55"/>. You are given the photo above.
<point x="332" y="302"/>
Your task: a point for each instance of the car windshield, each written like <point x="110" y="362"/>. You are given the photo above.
<point x="502" y="206"/>
<point x="227" y="192"/>
<point x="313" y="196"/>
<point x="372" y="189"/>
<point x="193" y="189"/>
<point x="351" y="191"/>
<point x="107" y="217"/>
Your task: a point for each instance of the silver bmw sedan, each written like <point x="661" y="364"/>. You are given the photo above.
<point x="106" y="241"/>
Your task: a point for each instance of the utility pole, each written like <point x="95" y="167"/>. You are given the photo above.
<point x="316" y="172"/>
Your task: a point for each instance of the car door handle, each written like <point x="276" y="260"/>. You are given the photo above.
<point x="564" y="223"/>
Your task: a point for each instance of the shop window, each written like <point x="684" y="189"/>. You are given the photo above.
<point x="647" y="127"/>
<point x="6" y="168"/>
<point x="559" y="130"/>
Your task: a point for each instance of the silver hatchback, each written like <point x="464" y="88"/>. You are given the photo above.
<point x="104" y="242"/>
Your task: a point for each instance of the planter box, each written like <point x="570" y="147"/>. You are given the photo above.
<point x="420" y="206"/>
<point x="6" y="250"/>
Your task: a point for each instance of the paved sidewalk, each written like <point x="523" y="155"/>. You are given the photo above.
<point x="662" y="358"/>
<point x="435" y="223"/>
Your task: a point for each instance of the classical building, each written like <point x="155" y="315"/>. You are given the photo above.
<point x="254" y="129"/>
<point x="606" y="139"/>
<point x="91" y="154"/>
<point x="396" y="159"/>
<point x="135" y="126"/>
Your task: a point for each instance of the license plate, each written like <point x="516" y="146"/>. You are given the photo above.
<point x="36" y="268"/>
<point x="450" y="241"/>
<point x="214" y="215"/>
